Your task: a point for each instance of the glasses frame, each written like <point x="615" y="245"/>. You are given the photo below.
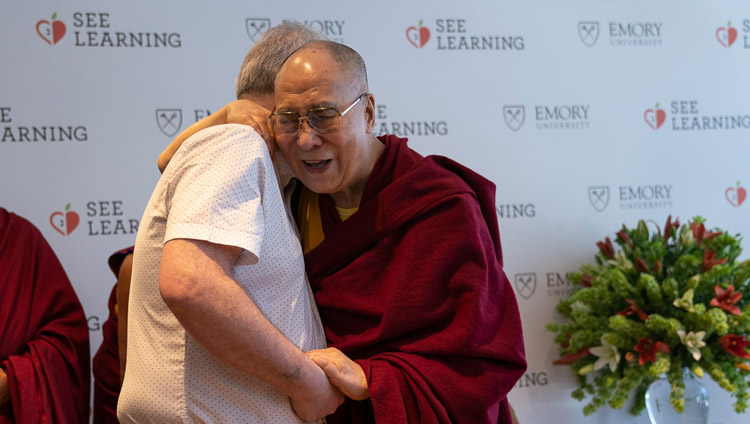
<point x="300" y="119"/>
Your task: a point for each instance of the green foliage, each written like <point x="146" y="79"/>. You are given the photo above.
<point x="658" y="286"/>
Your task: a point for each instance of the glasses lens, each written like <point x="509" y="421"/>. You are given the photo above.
<point x="323" y="120"/>
<point x="285" y="123"/>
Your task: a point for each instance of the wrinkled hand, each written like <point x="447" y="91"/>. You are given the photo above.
<point x="247" y="112"/>
<point x="321" y="399"/>
<point x="344" y="373"/>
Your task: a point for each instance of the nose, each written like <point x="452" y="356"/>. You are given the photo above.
<point x="308" y="138"/>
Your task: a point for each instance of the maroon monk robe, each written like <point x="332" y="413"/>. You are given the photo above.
<point x="44" y="337"/>
<point x="106" y="363"/>
<point x="412" y="288"/>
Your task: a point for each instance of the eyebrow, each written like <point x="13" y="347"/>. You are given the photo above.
<point x="321" y="105"/>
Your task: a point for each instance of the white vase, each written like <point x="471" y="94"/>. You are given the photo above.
<point x="660" y="411"/>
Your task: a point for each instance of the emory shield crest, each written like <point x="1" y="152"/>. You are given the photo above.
<point x="169" y="121"/>
<point x="525" y="284"/>
<point x="514" y="116"/>
<point x="589" y="32"/>
<point x="599" y="197"/>
<point x="256" y="27"/>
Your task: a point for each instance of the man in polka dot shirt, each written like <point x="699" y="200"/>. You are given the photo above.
<point x="220" y="311"/>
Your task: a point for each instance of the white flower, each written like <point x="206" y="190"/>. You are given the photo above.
<point x="693" y="341"/>
<point x="685" y="302"/>
<point x="608" y="355"/>
<point x="621" y="260"/>
<point x="580" y="306"/>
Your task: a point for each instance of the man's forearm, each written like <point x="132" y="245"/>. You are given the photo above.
<point x="220" y="316"/>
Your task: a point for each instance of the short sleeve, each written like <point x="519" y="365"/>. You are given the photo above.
<point x="216" y="191"/>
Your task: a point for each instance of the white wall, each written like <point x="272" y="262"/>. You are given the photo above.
<point x="458" y="94"/>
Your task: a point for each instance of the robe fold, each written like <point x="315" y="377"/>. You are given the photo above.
<point x="106" y="362"/>
<point x="44" y="337"/>
<point x="411" y="287"/>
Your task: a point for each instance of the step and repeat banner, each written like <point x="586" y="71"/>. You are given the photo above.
<point x="586" y="114"/>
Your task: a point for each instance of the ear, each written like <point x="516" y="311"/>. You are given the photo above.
<point x="369" y="112"/>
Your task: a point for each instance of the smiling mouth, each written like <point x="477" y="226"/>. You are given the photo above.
<point x="316" y="164"/>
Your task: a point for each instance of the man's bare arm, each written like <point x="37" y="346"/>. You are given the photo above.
<point x="196" y="285"/>
<point x="4" y="388"/>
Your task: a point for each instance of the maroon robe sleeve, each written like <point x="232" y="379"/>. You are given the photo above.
<point x="413" y="290"/>
<point x="45" y="339"/>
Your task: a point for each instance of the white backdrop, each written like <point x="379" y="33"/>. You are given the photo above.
<point x="586" y="114"/>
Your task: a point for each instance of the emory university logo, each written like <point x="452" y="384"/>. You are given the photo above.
<point x="735" y="195"/>
<point x="655" y="117"/>
<point x="514" y="116"/>
<point x="525" y="284"/>
<point x="51" y="31"/>
<point x="169" y="121"/>
<point x="599" y="197"/>
<point x="256" y="27"/>
<point x="588" y="31"/>
<point x="418" y="36"/>
<point x="64" y="222"/>
<point x="726" y="36"/>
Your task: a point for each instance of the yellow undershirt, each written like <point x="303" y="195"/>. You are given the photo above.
<point x="309" y="221"/>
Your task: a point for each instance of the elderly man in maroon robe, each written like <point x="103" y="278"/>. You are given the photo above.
<point x="44" y="338"/>
<point x="402" y="252"/>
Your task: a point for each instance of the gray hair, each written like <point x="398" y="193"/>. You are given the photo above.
<point x="263" y="61"/>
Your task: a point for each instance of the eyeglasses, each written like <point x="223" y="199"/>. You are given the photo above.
<point x="323" y="120"/>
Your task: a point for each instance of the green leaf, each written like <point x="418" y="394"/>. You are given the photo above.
<point x="67" y="207"/>
<point x="54" y="16"/>
<point x="420" y="22"/>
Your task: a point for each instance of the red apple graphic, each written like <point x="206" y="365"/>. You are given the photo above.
<point x="64" y="223"/>
<point x="726" y="35"/>
<point x="51" y="32"/>
<point x="655" y="117"/>
<point x="735" y="195"/>
<point x="418" y="36"/>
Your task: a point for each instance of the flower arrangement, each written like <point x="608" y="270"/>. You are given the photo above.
<point x="667" y="300"/>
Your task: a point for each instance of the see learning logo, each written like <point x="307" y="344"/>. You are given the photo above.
<point x="418" y="36"/>
<point x="51" y="31"/>
<point x="64" y="222"/>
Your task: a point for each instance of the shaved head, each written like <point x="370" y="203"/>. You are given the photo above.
<point x="349" y="61"/>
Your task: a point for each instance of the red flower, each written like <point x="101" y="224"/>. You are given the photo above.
<point x="709" y="260"/>
<point x="648" y="349"/>
<point x="567" y="342"/>
<point x="700" y="233"/>
<point x="625" y="238"/>
<point x="586" y="280"/>
<point x="726" y="299"/>
<point x="572" y="357"/>
<point x="641" y="265"/>
<point x="657" y="267"/>
<point x="735" y="345"/>
<point x="669" y="226"/>
<point x="633" y="309"/>
<point x="606" y="248"/>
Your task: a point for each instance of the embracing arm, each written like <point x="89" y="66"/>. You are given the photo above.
<point x="344" y="373"/>
<point x="4" y="389"/>
<point x="243" y="111"/>
<point x="196" y="285"/>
